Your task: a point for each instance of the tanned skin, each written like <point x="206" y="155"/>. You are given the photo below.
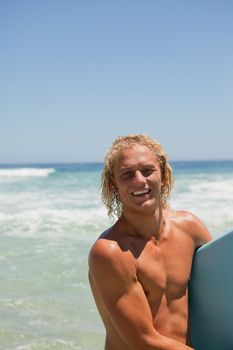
<point x="140" y="267"/>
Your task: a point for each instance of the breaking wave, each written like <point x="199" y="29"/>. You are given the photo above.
<point x="25" y="172"/>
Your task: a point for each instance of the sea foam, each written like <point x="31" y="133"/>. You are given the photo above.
<point x="25" y="172"/>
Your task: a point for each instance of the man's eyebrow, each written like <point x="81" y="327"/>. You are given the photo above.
<point x="149" y="165"/>
<point x="126" y="168"/>
<point x="132" y="167"/>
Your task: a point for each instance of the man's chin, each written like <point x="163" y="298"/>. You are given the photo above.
<point x="147" y="204"/>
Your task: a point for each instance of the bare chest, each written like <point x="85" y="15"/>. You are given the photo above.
<point x="164" y="269"/>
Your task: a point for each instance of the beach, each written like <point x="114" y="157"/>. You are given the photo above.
<point x="50" y="214"/>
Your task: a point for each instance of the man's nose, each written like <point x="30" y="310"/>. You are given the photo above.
<point x="139" y="176"/>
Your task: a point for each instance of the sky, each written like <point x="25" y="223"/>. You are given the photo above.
<point x="75" y="74"/>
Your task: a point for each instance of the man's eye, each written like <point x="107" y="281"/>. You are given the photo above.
<point x="147" y="171"/>
<point x="127" y="174"/>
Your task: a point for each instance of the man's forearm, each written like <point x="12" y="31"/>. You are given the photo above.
<point x="162" y="343"/>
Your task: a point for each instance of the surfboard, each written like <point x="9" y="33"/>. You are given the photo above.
<point x="211" y="295"/>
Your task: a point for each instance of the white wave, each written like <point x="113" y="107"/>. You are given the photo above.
<point x="25" y="172"/>
<point x="210" y="200"/>
<point x="78" y="223"/>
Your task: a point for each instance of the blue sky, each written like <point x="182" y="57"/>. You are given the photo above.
<point x="76" y="74"/>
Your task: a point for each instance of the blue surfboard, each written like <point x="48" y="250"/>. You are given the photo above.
<point x="211" y="295"/>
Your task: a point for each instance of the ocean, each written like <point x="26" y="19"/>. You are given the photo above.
<point x="50" y="214"/>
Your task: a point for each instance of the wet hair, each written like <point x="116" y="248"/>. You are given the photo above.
<point x="109" y="192"/>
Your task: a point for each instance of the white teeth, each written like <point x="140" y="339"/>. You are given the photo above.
<point x="138" y="193"/>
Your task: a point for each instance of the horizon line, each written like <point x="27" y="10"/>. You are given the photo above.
<point x="101" y="162"/>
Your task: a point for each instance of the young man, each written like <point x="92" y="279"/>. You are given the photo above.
<point x="139" y="268"/>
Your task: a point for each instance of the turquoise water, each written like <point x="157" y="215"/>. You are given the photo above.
<point x="49" y="217"/>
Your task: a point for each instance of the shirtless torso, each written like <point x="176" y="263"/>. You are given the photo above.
<point x="155" y="272"/>
<point x="140" y="267"/>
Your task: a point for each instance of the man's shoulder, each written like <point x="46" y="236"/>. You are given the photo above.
<point x="192" y="225"/>
<point x="183" y="217"/>
<point x="104" y="248"/>
<point x="107" y="249"/>
<point x="109" y="261"/>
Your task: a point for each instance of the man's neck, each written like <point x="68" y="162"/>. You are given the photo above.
<point x="144" y="225"/>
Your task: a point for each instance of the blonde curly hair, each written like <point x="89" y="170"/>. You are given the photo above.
<point x="109" y="193"/>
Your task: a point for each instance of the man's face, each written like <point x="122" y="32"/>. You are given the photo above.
<point x="138" y="179"/>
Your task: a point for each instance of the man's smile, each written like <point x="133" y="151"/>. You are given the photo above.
<point x="141" y="193"/>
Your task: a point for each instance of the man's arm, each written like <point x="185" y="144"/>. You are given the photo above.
<point x="114" y="274"/>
